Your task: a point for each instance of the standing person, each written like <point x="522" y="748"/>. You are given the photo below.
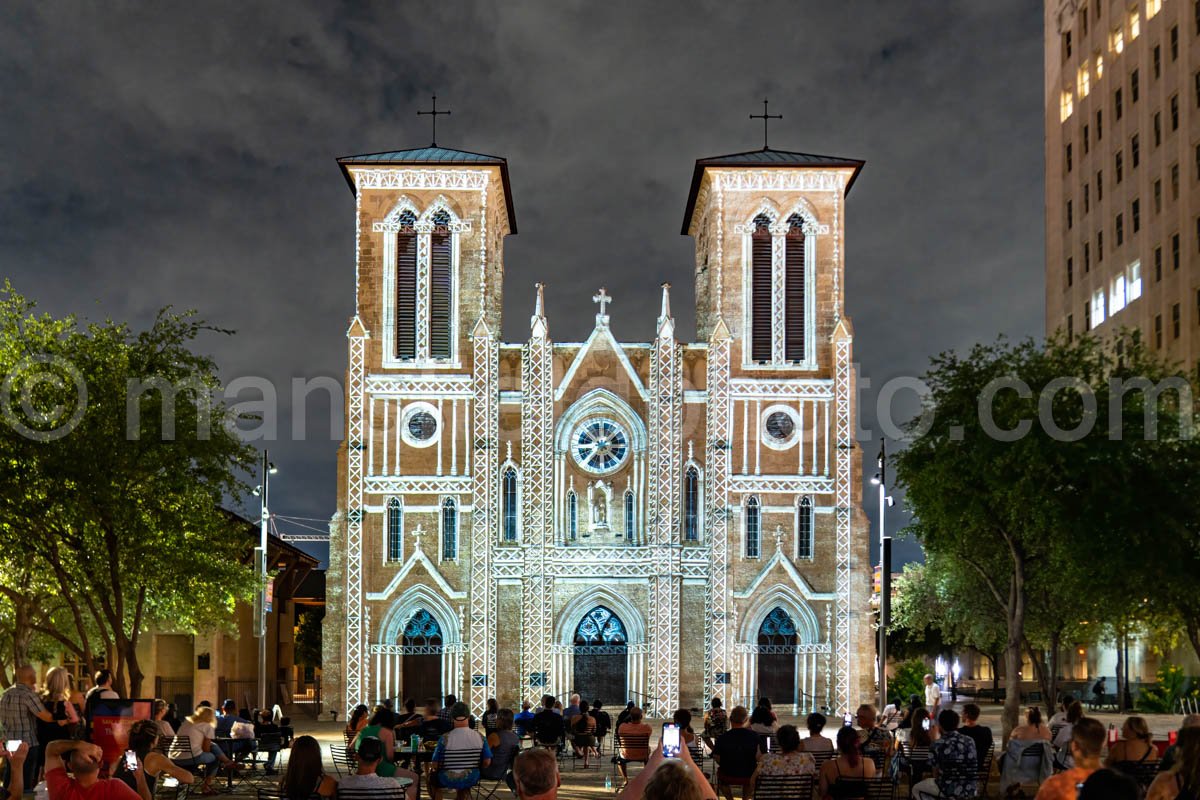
<point x="933" y="696"/>
<point x="954" y="752"/>
<point x="535" y="775"/>
<point x="980" y="734"/>
<point x="521" y="721"/>
<point x="736" y="753"/>
<point x="84" y="759"/>
<point x="458" y="757"/>
<point x="56" y="697"/>
<point x="1087" y="740"/>
<point x="102" y="689"/>
<point x="20" y="711"/>
<point x="716" y="722"/>
<point x="1098" y="692"/>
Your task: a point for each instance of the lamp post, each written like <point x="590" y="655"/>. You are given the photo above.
<point x="260" y="565"/>
<point x="885" y="572"/>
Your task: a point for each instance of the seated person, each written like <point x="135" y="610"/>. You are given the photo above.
<point x="1062" y="739"/>
<point x="547" y="724"/>
<point x="432" y="726"/>
<point x="1087" y="740"/>
<point x="980" y="734"/>
<point x="603" y="721"/>
<point x="815" y="742"/>
<point x="1135" y="747"/>
<point x="848" y="767"/>
<point x="637" y="731"/>
<point x="270" y="738"/>
<point x="409" y="718"/>
<point x="762" y="721"/>
<point x="367" y="783"/>
<point x="235" y="748"/>
<point x="84" y="760"/>
<point x="790" y="760"/>
<point x="460" y="754"/>
<point x="521" y="721"/>
<point x="954" y="761"/>
<point x="875" y="742"/>
<point x="143" y="739"/>
<point x="504" y="744"/>
<point x="1033" y="729"/>
<point x="736" y="753"/>
<point x="381" y="726"/>
<point x="583" y="733"/>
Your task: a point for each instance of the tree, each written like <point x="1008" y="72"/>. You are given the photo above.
<point x="116" y="461"/>
<point x="1028" y="458"/>
<point x="308" y="637"/>
<point x="947" y="607"/>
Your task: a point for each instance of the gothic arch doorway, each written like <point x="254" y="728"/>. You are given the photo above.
<point x="601" y="663"/>
<point x="778" y="645"/>
<point x="421" y="644"/>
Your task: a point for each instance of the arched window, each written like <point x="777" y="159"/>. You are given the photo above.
<point x="422" y="634"/>
<point x="572" y="516"/>
<point x="510" y="505"/>
<point x="760" y="290"/>
<point x="793" y="291"/>
<point x="691" y="505"/>
<point x="629" y="518"/>
<point x="804" y="528"/>
<point x="406" y="287"/>
<point x="753" y="527"/>
<point x="440" y="288"/>
<point x="449" y="530"/>
<point x="395" y="530"/>
<point x="778" y="630"/>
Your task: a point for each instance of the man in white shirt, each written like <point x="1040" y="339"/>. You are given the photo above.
<point x="933" y="696"/>
<point x="367" y="784"/>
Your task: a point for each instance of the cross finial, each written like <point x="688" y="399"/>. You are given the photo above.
<point x="764" y="117"/>
<point x="417" y="533"/>
<point x="778" y="537"/>
<point x="602" y="297"/>
<point x="434" y="114"/>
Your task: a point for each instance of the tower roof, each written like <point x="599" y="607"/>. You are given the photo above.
<point x="425" y="156"/>
<point x="765" y="157"/>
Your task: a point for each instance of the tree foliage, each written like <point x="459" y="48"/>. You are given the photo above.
<point x="1029" y="475"/>
<point x="116" y="462"/>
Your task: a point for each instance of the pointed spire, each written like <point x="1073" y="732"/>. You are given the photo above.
<point x="720" y="331"/>
<point x="537" y="323"/>
<point x="666" y="324"/>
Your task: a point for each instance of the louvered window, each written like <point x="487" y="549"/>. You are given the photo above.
<point x="760" y="291"/>
<point x="395" y="530"/>
<point x="572" y="516"/>
<point x="753" y="527"/>
<point x="440" y="288"/>
<point x="804" y="529"/>
<point x="449" y="530"/>
<point x="691" y="505"/>
<point x="510" y="505"/>
<point x="406" y="288"/>
<point x="629" y="518"/>
<point x="793" y="291"/>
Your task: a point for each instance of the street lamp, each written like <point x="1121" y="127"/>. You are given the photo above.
<point x="885" y="571"/>
<point x="260" y="564"/>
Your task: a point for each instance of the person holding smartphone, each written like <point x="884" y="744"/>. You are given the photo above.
<point x="16" y="752"/>
<point x="85" y="759"/>
<point x="143" y="737"/>
<point x="676" y="777"/>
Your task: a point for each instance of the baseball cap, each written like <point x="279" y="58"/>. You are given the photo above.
<point x="459" y="711"/>
<point x="370" y="748"/>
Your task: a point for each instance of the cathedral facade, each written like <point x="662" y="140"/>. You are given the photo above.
<point x="661" y="521"/>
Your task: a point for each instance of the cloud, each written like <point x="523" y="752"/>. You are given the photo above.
<point x="183" y="154"/>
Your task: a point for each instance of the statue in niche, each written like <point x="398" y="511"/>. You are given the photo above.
<point x="599" y="497"/>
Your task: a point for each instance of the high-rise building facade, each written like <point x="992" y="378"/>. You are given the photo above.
<point x="1123" y="170"/>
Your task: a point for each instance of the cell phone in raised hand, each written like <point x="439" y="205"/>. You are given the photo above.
<point x="670" y="740"/>
<point x="130" y="760"/>
<point x="12" y="745"/>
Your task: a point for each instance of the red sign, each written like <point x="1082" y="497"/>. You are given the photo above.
<point x="111" y="721"/>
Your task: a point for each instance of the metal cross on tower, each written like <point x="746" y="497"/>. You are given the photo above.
<point x="434" y="114"/>
<point x="764" y="117"/>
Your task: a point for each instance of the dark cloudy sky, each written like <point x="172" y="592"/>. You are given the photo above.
<point x="183" y="153"/>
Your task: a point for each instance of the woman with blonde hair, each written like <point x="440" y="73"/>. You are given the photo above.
<point x="194" y="745"/>
<point x="56" y="695"/>
<point x="1135" y="747"/>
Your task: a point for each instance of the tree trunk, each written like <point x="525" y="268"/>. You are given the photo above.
<point x="994" y="660"/>
<point x="1037" y="658"/>
<point x="1050" y="698"/>
<point x="1193" y="633"/>
<point x="1120" y="673"/>
<point x="1012" y="655"/>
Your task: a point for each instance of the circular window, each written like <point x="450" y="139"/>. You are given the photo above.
<point x="420" y="426"/>
<point x="600" y="446"/>
<point x="779" y="427"/>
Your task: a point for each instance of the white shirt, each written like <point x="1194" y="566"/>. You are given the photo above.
<point x="933" y="694"/>
<point x="196" y="733"/>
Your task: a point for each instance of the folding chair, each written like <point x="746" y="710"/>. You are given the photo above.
<point x="783" y="787"/>
<point x="696" y="749"/>
<point x="985" y="772"/>
<point x="480" y="791"/>
<point x="622" y="745"/>
<point x="345" y="760"/>
<point x="959" y="773"/>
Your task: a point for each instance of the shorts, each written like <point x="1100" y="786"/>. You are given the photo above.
<point x="454" y="779"/>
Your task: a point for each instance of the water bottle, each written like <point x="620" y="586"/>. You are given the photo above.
<point x="41" y="792"/>
<point x="1112" y="734"/>
<point x="607" y="783"/>
<point x="414" y="742"/>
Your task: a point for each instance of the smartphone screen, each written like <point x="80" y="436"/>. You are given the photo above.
<point x="12" y="745"/>
<point x="670" y="740"/>
<point x="768" y="744"/>
<point x="848" y="720"/>
<point x="925" y="724"/>
<point x="130" y="760"/>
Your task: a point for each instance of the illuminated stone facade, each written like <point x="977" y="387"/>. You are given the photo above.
<point x="661" y="521"/>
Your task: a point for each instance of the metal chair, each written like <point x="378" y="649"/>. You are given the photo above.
<point x="959" y="773"/>
<point x="881" y="788"/>
<point x="622" y="745"/>
<point x="985" y="772"/>
<point x="783" y="787"/>
<point x="345" y="760"/>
